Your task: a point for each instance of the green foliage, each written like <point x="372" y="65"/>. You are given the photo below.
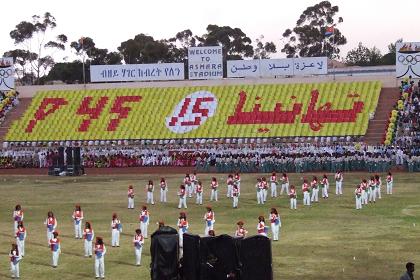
<point x="144" y="49"/>
<point x="33" y="35"/>
<point x="263" y="50"/>
<point x="67" y="72"/>
<point x="235" y="43"/>
<point x="307" y="38"/>
<point x="363" y="56"/>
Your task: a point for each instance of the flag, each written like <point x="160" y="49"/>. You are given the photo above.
<point x="329" y="31"/>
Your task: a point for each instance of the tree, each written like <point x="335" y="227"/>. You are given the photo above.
<point x="20" y="59"/>
<point x="70" y="72"/>
<point x="235" y="43"/>
<point x="178" y="45"/>
<point x="307" y="38"/>
<point x="86" y="46"/>
<point x="35" y="37"/>
<point x="389" y="58"/>
<point x="144" y="49"/>
<point x="263" y="50"/>
<point x="363" y="56"/>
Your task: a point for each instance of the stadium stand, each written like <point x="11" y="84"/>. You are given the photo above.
<point x="220" y="112"/>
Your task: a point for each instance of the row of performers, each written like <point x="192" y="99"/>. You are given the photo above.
<point x="98" y="249"/>
<point x="368" y="190"/>
<point x="193" y="186"/>
<point x="365" y="189"/>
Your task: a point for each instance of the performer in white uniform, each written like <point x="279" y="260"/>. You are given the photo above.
<point x="182" y="193"/>
<point x="100" y="251"/>
<point x="15" y="258"/>
<point x="144" y="220"/>
<point x="273" y="184"/>
<point x="55" y="245"/>
<point x="199" y="193"/>
<point x="51" y="223"/>
<point x="77" y="220"/>
<point x="20" y="238"/>
<point x="138" y="242"/>
<point x="116" y="229"/>
<point x="130" y="195"/>
<point x="209" y="220"/>
<point x="389" y="183"/>
<point x="88" y="235"/>
<point x="163" y="190"/>
<point x="150" y="188"/>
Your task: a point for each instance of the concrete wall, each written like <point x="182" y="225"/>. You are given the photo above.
<point x="387" y="80"/>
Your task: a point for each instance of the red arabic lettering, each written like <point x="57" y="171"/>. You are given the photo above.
<point x="317" y="117"/>
<point x="277" y="116"/>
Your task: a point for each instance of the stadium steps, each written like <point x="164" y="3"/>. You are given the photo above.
<point x="376" y="129"/>
<point x="13" y="115"/>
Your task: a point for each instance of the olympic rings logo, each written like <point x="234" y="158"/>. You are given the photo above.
<point x="409" y="59"/>
<point x="4" y="74"/>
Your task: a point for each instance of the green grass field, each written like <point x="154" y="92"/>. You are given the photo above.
<point x="330" y="240"/>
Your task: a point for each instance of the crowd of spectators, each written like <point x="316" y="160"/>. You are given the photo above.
<point x="407" y="135"/>
<point x="8" y="100"/>
<point x="280" y="157"/>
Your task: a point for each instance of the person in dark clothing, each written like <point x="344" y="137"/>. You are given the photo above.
<point x="408" y="275"/>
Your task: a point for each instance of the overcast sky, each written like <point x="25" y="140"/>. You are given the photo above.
<point x="108" y="23"/>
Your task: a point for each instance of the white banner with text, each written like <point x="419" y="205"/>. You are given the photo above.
<point x="205" y="63"/>
<point x="277" y="67"/>
<point x="137" y="72"/>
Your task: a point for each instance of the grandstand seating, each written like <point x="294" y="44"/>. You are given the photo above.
<point x="237" y="111"/>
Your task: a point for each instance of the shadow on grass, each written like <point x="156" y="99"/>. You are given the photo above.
<point x="123" y="263"/>
<point x="40" y="263"/>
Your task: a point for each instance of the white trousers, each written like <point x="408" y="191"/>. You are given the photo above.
<point x="21" y="246"/>
<point x="14" y="269"/>
<point x="182" y="202"/>
<point x="55" y="256"/>
<point x="260" y="197"/>
<point x="273" y="190"/>
<point x="190" y="190"/>
<point x="275" y="229"/>
<point x="315" y="193"/>
<point x="213" y="195"/>
<point x="49" y="236"/>
<point x="15" y="226"/>
<point x="338" y="188"/>
<point x="115" y="237"/>
<point x="324" y="192"/>
<point x="235" y="201"/>
<point x="364" y="197"/>
<point x="306" y="198"/>
<point x="199" y="198"/>
<point x="358" y="202"/>
<point x="163" y="195"/>
<point x="137" y="252"/>
<point x="88" y="248"/>
<point x="264" y="191"/>
<point x="229" y="191"/>
<point x="207" y="228"/>
<point x="372" y="195"/>
<point x="78" y="230"/>
<point x="99" y="267"/>
<point x="378" y="190"/>
<point x="284" y="187"/>
<point x="130" y="203"/>
<point x="389" y="188"/>
<point x="181" y="238"/>
<point x="293" y="203"/>
<point x="193" y="187"/>
<point x="143" y="228"/>
<point x="150" y="198"/>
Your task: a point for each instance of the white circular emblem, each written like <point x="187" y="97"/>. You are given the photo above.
<point x="192" y="112"/>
